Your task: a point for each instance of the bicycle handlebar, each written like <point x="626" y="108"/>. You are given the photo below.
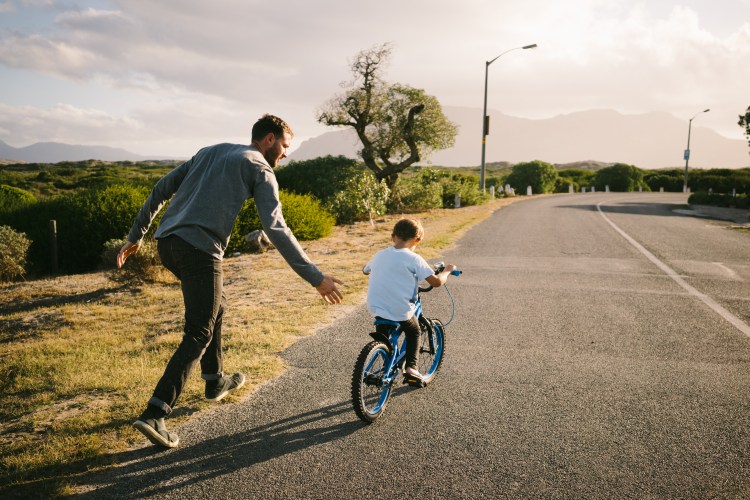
<point x="439" y="268"/>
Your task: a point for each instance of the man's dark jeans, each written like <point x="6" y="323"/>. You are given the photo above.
<point x="201" y="277"/>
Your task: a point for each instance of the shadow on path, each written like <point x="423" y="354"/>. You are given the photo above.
<point x="151" y="471"/>
<point x="634" y="208"/>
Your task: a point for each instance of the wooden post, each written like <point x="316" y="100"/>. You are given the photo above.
<point x="53" y="245"/>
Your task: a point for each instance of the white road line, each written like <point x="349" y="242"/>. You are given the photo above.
<point x="734" y="320"/>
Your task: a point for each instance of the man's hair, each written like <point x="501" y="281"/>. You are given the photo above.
<point x="407" y="229"/>
<point x="270" y="124"/>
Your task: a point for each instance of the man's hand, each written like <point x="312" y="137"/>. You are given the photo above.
<point x="126" y="251"/>
<point x="329" y="291"/>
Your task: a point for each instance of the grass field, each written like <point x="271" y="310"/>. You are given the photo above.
<point x="80" y="355"/>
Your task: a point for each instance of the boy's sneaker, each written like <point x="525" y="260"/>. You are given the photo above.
<point x="217" y="389"/>
<point x="156" y="432"/>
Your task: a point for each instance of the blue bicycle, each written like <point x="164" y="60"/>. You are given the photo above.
<point x="382" y="360"/>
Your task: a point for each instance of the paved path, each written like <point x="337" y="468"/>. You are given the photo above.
<point x="578" y="366"/>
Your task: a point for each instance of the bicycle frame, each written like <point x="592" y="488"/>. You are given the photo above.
<point x="398" y="349"/>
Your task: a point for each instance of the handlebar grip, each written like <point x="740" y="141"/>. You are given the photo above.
<point x="456" y="272"/>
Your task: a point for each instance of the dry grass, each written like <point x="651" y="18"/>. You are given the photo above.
<point x="80" y="355"/>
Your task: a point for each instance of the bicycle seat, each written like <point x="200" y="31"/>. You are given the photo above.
<point x="383" y="321"/>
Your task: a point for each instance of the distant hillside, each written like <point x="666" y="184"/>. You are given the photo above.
<point x="53" y="152"/>
<point x="650" y="141"/>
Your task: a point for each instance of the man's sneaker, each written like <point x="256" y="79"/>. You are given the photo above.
<point x="217" y="389"/>
<point x="156" y="432"/>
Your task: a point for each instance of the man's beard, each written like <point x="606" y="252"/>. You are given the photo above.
<point x="272" y="161"/>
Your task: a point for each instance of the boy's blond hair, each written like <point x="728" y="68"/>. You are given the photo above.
<point x="407" y="229"/>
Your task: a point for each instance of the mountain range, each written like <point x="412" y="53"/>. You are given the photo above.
<point x="53" y="152"/>
<point x="648" y="140"/>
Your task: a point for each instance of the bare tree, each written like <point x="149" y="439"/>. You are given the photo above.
<point x="396" y="124"/>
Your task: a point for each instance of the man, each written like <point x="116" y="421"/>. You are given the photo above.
<point x="207" y="193"/>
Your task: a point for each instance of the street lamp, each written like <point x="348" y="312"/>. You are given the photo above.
<point x="687" y="151"/>
<point x="485" y="118"/>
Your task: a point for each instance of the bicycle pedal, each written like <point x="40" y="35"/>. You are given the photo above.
<point x="414" y="382"/>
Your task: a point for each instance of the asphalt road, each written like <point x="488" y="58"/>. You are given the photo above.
<point x="600" y="350"/>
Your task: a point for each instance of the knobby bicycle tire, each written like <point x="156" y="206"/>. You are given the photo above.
<point x="369" y="394"/>
<point x="431" y="348"/>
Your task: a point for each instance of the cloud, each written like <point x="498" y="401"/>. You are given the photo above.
<point x="178" y="127"/>
<point x="60" y="123"/>
<point x="199" y="71"/>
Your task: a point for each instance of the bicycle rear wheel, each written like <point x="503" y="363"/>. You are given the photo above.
<point x="369" y="392"/>
<point x="431" y="348"/>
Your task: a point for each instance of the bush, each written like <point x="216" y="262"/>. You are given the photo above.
<point x="411" y="194"/>
<point x="304" y="215"/>
<point x="144" y="265"/>
<point x="362" y="198"/>
<point x="13" y="249"/>
<point x="85" y="221"/>
<point x="619" y="177"/>
<point x="578" y="177"/>
<point x="320" y="177"/>
<point x="97" y="216"/>
<point x="541" y="176"/>
<point x="13" y="198"/>
<point x="720" y="180"/>
<point x="719" y="200"/>
<point x="452" y="184"/>
<point x="669" y="181"/>
<point x="466" y="187"/>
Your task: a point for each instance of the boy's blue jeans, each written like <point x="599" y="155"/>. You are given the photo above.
<point x="202" y="281"/>
<point x="410" y="327"/>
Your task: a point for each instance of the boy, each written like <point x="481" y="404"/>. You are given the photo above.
<point x="395" y="274"/>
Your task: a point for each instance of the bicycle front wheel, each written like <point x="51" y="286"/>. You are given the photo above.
<point x="369" y="390"/>
<point x="431" y="348"/>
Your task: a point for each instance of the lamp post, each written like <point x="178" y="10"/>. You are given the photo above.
<point x="485" y="118"/>
<point x="687" y="150"/>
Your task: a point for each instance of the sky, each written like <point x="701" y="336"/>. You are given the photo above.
<point x="168" y="77"/>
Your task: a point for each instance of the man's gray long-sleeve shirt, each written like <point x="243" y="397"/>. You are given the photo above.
<point x="207" y="193"/>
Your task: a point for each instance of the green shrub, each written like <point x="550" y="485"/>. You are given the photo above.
<point x="413" y="195"/>
<point x="13" y="198"/>
<point x="321" y="177"/>
<point x="619" y="177"/>
<point x="363" y="197"/>
<point x="144" y="265"/>
<point x="85" y="221"/>
<point x="660" y="180"/>
<point x="719" y="200"/>
<point x="720" y="180"/>
<point x="100" y="215"/>
<point x="33" y="220"/>
<point x="466" y="186"/>
<point x="541" y="176"/>
<point x="578" y="177"/>
<point x="13" y="249"/>
<point x="304" y="215"/>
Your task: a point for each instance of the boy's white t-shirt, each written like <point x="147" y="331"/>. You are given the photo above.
<point x="395" y="274"/>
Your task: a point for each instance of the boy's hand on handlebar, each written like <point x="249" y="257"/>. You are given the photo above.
<point x="450" y="268"/>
